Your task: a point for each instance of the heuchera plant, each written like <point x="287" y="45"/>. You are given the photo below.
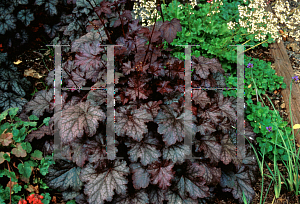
<point x="149" y="122"/>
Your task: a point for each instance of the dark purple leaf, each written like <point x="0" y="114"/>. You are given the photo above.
<point x="40" y="103"/>
<point x="162" y="173"/>
<point x="133" y="123"/>
<point x="89" y="56"/>
<point x="79" y="119"/>
<point x="140" y="176"/>
<point x="170" y="29"/>
<point x="100" y="186"/>
<point x="145" y="150"/>
<point x="210" y="147"/>
<point x="172" y="126"/>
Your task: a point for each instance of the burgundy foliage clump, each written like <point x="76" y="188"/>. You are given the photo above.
<point x="149" y="122"/>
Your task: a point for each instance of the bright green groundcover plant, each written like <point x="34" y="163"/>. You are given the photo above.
<point x="210" y="32"/>
<point x="257" y="78"/>
<point x="261" y="118"/>
<point x="263" y="75"/>
<point x="18" y="159"/>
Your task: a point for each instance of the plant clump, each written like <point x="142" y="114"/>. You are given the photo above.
<point x="150" y="123"/>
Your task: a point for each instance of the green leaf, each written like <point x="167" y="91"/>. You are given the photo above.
<point x="283" y="124"/>
<point x="280" y="151"/>
<point x="285" y="157"/>
<point x="46" y="199"/>
<point x="6" y="157"/>
<point x="15" y="133"/>
<point x="13" y="112"/>
<point x="17" y="188"/>
<point x="250" y="117"/>
<point x="32" y="163"/>
<point x="9" y="174"/>
<point x="43" y="185"/>
<point x="4" y="194"/>
<point x="18" y="119"/>
<point x="33" y="124"/>
<point x="15" y="198"/>
<point x="45" y="163"/>
<point x="37" y="155"/>
<point x="33" y="117"/>
<point x="26" y="146"/>
<point x="3" y="115"/>
<point x="2" y="200"/>
<point x="19" y="135"/>
<point x="270" y="147"/>
<point x="46" y="121"/>
<point x="25" y="169"/>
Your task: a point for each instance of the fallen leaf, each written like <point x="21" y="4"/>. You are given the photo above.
<point x="36" y="189"/>
<point x="32" y="73"/>
<point x="54" y="199"/>
<point x="18" y="62"/>
<point x="294" y="47"/>
<point x="30" y="188"/>
<point x="283" y="35"/>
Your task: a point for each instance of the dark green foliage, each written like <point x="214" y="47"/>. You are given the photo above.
<point x="12" y="86"/>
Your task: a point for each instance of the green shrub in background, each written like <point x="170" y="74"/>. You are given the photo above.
<point x="208" y="28"/>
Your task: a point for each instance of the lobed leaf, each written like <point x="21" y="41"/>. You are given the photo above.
<point x="145" y="150"/>
<point x="79" y="119"/>
<point x="40" y="103"/>
<point x="100" y="187"/>
<point x="173" y="126"/>
<point x="132" y="124"/>
<point x="140" y="176"/>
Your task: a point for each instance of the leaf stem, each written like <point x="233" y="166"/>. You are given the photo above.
<point x="160" y="9"/>
<point x="105" y="29"/>
<point x="10" y="184"/>
<point x="121" y="21"/>
<point x="149" y="41"/>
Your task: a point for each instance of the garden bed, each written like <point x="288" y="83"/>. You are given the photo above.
<point x="36" y="62"/>
<point x="33" y="59"/>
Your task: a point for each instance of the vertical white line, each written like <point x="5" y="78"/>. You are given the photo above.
<point x="110" y="126"/>
<point x="57" y="99"/>
<point x="240" y="103"/>
<point x="188" y="98"/>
